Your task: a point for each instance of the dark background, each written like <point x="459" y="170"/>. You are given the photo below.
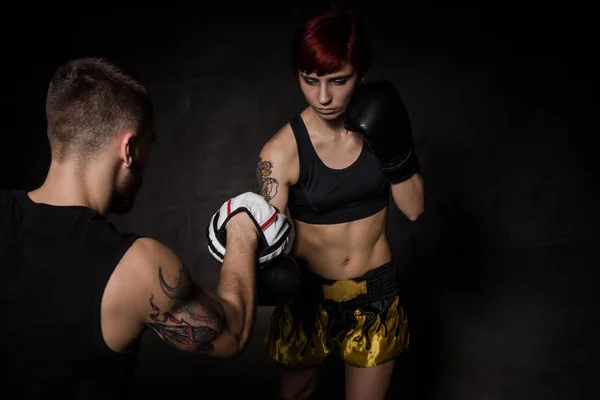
<point x="499" y="275"/>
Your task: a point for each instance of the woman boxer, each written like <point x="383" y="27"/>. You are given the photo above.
<point x="337" y="187"/>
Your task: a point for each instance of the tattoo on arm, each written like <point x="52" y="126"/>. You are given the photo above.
<point x="266" y="186"/>
<point x="180" y="326"/>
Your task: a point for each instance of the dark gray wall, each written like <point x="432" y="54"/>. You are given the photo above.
<point x="498" y="275"/>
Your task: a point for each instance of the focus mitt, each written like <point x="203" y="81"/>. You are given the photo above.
<point x="274" y="227"/>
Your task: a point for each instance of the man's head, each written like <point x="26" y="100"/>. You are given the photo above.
<point x="100" y="117"/>
<point x="331" y="55"/>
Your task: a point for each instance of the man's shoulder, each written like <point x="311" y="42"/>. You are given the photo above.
<point x="8" y="199"/>
<point x="8" y="195"/>
<point x="148" y="247"/>
<point x="146" y="253"/>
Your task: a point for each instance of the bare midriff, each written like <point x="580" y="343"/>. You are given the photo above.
<point x="343" y="251"/>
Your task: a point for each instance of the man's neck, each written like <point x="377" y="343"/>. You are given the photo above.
<point x="67" y="184"/>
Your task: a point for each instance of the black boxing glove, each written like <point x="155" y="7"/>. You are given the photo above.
<point x="278" y="281"/>
<point x="377" y="112"/>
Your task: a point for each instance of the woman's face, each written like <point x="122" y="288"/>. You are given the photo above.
<point x="329" y="94"/>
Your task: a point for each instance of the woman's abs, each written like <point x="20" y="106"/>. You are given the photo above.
<point x="345" y="250"/>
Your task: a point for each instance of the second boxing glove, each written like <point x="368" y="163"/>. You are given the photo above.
<point x="278" y="281"/>
<point x="377" y="112"/>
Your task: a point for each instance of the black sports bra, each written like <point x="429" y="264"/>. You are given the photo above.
<point x="324" y="195"/>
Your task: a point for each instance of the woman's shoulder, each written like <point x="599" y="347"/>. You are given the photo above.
<point x="282" y="141"/>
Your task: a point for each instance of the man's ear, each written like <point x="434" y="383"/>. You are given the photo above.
<point x="127" y="147"/>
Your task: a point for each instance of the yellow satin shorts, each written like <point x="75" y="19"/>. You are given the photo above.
<point x="360" y="319"/>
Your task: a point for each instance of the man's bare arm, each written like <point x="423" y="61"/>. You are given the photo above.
<point x="409" y="196"/>
<point x="190" y="320"/>
<point x="193" y="319"/>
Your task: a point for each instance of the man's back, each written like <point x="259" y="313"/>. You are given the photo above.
<point x="54" y="266"/>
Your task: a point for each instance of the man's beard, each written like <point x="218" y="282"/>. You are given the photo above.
<point x="124" y="197"/>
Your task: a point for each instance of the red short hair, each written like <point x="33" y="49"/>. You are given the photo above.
<point x="329" y="40"/>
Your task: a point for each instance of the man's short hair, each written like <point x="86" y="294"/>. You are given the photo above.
<point x="90" y="100"/>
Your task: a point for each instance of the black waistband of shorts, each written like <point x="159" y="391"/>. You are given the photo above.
<point x="379" y="283"/>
